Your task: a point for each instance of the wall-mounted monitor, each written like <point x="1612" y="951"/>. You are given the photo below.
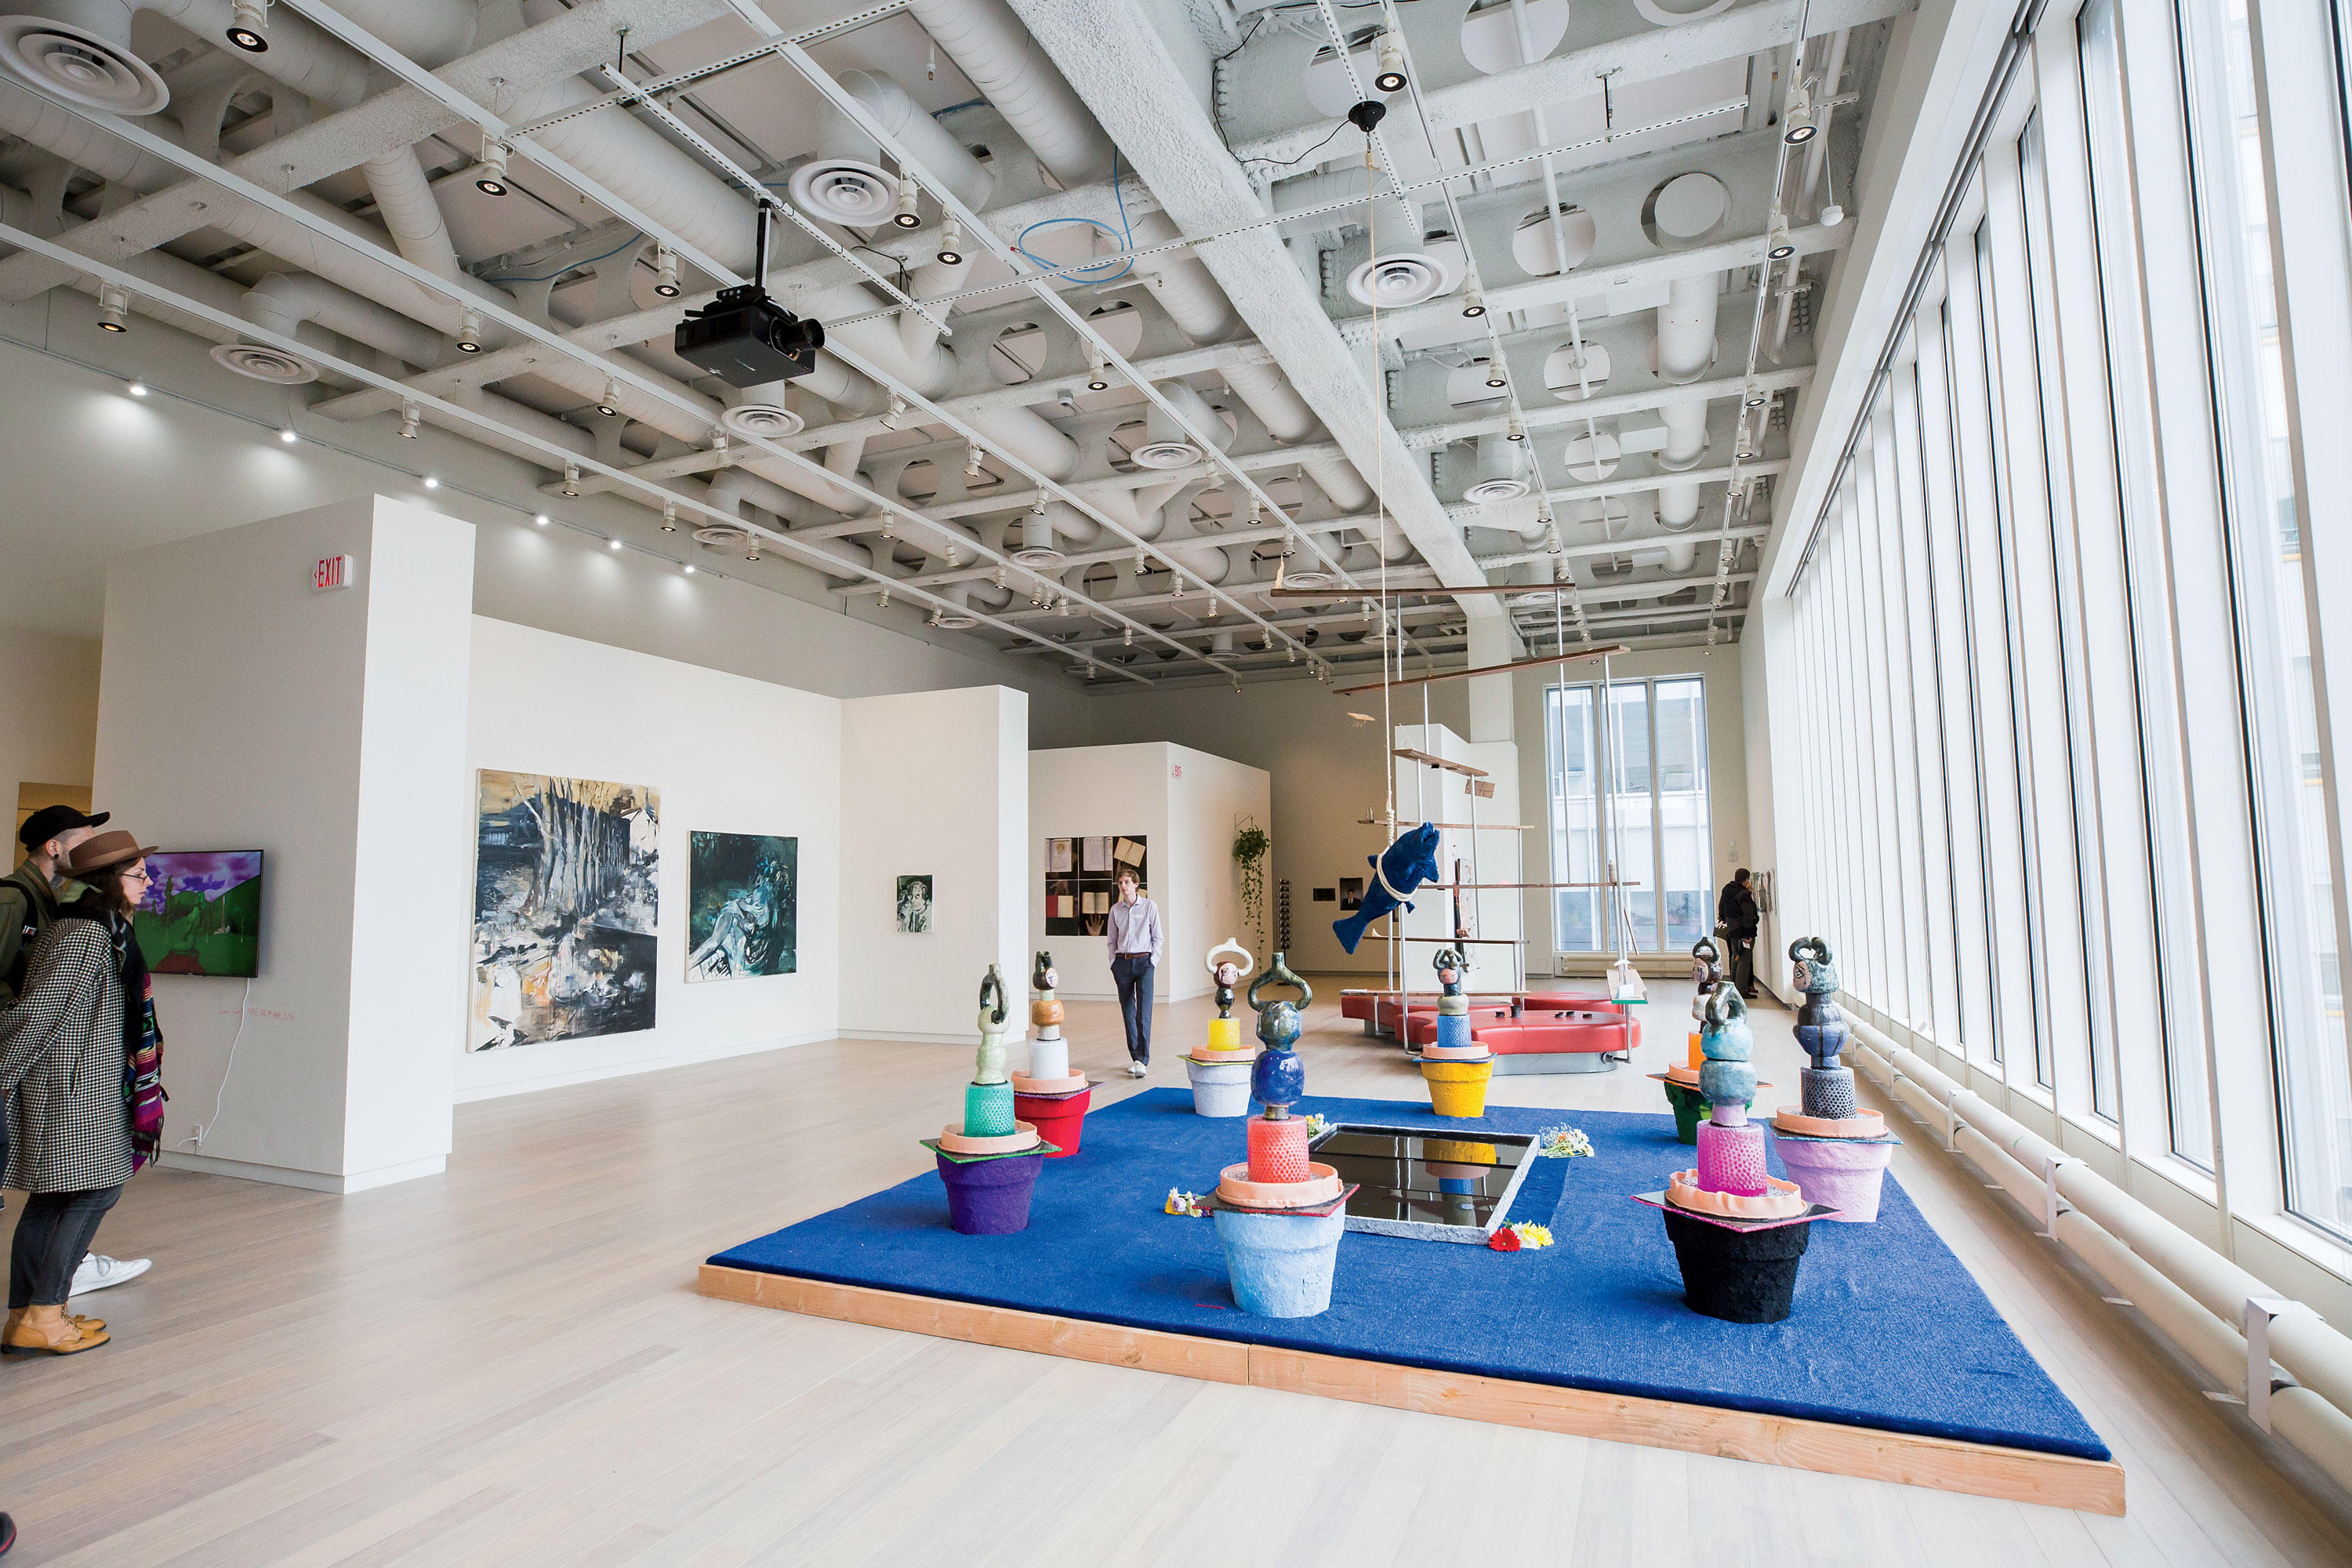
<point x="202" y="914"/>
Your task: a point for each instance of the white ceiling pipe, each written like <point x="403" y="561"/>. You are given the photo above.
<point x="1686" y="349"/>
<point x="1282" y="412"/>
<point x="282" y="301"/>
<point x="54" y="127"/>
<point x="1338" y="478"/>
<point x="930" y="371"/>
<point x="910" y="125"/>
<point x="991" y="49"/>
<point x="1166" y="443"/>
<point x="430" y="32"/>
<point x="405" y="200"/>
<point x="1183" y="287"/>
<point x="731" y="485"/>
<point x="1501" y="471"/>
<point x="1071" y="526"/>
<point x="1221" y="642"/>
<point x="916" y="336"/>
<point x="301" y="55"/>
<point x="519" y="416"/>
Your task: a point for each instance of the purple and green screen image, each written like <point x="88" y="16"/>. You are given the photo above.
<point x="202" y="914"/>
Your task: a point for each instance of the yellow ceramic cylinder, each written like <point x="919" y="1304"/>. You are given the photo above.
<point x="1224" y="1034"/>
<point x="1457" y="1088"/>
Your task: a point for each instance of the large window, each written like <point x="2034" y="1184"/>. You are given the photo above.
<point x="1630" y="790"/>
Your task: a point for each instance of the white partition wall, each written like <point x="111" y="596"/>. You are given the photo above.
<point x="241" y="708"/>
<point x="1482" y="858"/>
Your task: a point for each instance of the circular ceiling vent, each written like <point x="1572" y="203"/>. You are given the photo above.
<point x="1496" y="491"/>
<point x="846" y="191"/>
<point x="1167" y="455"/>
<point x="1313" y="577"/>
<point x="1037" y="555"/>
<point x="763" y="421"/>
<point x="79" y="66"/>
<point x="955" y="621"/>
<point x="262" y="363"/>
<point x="1403" y="277"/>
<point x="723" y="533"/>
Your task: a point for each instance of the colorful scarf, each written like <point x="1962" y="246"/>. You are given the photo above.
<point x="143" y="1049"/>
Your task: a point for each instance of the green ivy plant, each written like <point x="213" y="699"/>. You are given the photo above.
<point x="1250" y="845"/>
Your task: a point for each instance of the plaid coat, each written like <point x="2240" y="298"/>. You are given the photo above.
<point x="61" y="1067"/>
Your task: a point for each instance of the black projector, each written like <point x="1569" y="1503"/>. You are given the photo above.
<point x="746" y="339"/>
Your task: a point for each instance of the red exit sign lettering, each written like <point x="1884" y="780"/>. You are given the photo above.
<point x="333" y="572"/>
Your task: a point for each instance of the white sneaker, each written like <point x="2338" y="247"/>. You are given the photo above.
<point x="1136" y="1070"/>
<point x="99" y="1272"/>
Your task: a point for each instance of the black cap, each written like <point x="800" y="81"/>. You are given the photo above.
<point x="51" y="820"/>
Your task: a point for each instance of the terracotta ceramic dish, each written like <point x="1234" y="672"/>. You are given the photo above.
<point x="1865" y="1124"/>
<point x="1023" y="1136"/>
<point x="1781" y="1199"/>
<point x="1321" y="1186"/>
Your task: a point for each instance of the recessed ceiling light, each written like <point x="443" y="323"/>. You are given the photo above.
<point x="614" y="544"/>
<point x="689" y="568"/>
<point x="288" y="436"/>
<point x="540" y="520"/>
<point x="137" y="389"/>
<point x="431" y="483"/>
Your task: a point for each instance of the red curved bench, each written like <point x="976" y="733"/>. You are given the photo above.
<point x="1531" y="1037"/>
<point x="1569" y="1002"/>
<point x="1421" y="1023"/>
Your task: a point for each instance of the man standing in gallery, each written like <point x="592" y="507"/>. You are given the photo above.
<point x="1737" y="920"/>
<point x="1134" y="942"/>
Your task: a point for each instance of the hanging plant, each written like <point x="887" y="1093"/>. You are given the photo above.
<point x="1250" y="845"/>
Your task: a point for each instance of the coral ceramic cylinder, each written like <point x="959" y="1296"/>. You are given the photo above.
<point x="1277" y="1149"/>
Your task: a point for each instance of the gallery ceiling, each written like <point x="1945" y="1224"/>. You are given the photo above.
<point x="1151" y="339"/>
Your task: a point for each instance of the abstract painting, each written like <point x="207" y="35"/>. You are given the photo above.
<point x="202" y="914"/>
<point x="564" y="905"/>
<point x="915" y="905"/>
<point x="743" y="906"/>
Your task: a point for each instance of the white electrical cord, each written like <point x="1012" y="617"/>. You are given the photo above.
<point x="203" y="1128"/>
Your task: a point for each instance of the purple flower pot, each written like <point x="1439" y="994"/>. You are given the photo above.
<point x="990" y="1197"/>
<point x="1842" y="1175"/>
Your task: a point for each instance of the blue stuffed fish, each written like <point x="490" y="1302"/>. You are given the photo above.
<point x="1404" y="866"/>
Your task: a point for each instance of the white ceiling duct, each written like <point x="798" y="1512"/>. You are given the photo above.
<point x="1502" y="471"/>
<point x="849" y="182"/>
<point x="80" y="51"/>
<point x="1337" y="478"/>
<point x="1402" y="270"/>
<point x="770" y="413"/>
<point x="1166" y="445"/>
<point x="56" y="129"/>
<point x="405" y="200"/>
<point x="1686" y="349"/>
<point x="259" y="362"/>
<point x="283" y="301"/>
<point x="991" y="49"/>
<point x="730" y="486"/>
<point x="917" y="335"/>
<point x="1037" y="546"/>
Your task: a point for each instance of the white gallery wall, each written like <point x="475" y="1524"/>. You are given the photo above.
<point x="933" y="783"/>
<point x="241" y="709"/>
<point x="726" y="754"/>
<point x="1207" y="799"/>
<point x="48" y="710"/>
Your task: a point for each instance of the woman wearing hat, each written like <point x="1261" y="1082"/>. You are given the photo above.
<point x="81" y="1067"/>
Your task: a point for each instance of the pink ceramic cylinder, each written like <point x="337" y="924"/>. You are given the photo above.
<point x="1277" y="1149"/>
<point x="1731" y="1159"/>
<point x="1844" y="1175"/>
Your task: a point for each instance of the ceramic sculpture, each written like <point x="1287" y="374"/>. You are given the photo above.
<point x="989" y="1161"/>
<point x="1682" y="1079"/>
<point x="1279" y="1214"/>
<point x="1397" y="870"/>
<point x="1836" y="1150"/>
<point x="1219" y="1070"/>
<point x="1455" y="1066"/>
<point x="1737" y="1231"/>
<point x="1049" y="1094"/>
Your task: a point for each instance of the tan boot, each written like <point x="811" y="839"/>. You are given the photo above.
<point x="87" y="1325"/>
<point x="47" y="1331"/>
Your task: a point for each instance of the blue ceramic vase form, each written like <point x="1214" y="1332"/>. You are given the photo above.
<point x="1278" y="1079"/>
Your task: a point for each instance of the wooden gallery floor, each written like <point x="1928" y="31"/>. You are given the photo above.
<point x="508" y="1367"/>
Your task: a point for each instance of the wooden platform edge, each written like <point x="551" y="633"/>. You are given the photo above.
<point x="1942" y="1464"/>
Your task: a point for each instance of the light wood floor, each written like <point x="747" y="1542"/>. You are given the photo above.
<point x="508" y="1367"/>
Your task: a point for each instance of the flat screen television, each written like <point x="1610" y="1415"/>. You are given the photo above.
<point x="202" y="914"/>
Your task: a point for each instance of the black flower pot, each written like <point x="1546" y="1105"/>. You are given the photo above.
<point x="1738" y="1276"/>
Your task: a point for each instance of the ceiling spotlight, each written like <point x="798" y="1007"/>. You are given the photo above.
<point x="1516" y="430"/>
<point x="884" y="602"/>
<point x="907" y="216"/>
<point x="431" y="483"/>
<point x="609" y="406"/>
<point x="895" y="412"/>
<point x="246" y="19"/>
<point x="669" y="517"/>
<point x="613" y="543"/>
<point x="490" y="174"/>
<point x="1756" y="396"/>
<point x="951" y="244"/>
<point x="1495" y="376"/>
<point x="1098" y="377"/>
<point x="540" y="520"/>
<point x="1390" y="76"/>
<point x="288" y="436"/>
<point x="1797" y="126"/>
<point x="689" y="568"/>
<point x="114" y="308"/>
<point x="666" y="272"/>
<point x="1474" y="303"/>
<point x="1127" y="639"/>
<point x="409" y="416"/>
<point x="136" y="389"/>
<point x="1780" y="247"/>
<point x="971" y="468"/>
<point x="469" y="330"/>
<point x="571" y="479"/>
<point x="719" y="448"/>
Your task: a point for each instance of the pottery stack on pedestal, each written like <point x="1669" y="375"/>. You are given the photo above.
<point x="1455" y="1066"/>
<point x="1280" y="1216"/>
<point x="1219" y="1070"/>
<point x="1737" y="1231"/>
<point x="1049" y="1094"/>
<point x="990" y="1160"/>
<point x="1681" y="1078"/>
<point x="1836" y="1150"/>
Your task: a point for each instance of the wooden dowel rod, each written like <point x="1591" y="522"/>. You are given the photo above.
<point x="1488" y="669"/>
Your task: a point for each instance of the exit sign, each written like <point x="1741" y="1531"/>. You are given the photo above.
<point x="333" y="572"/>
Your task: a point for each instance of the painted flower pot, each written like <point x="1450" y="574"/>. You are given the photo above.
<point x="1842" y="1174"/>
<point x="1457" y="1088"/>
<point x="990" y="1197"/>
<point x="1737" y="1275"/>
<point x="1280" y="1265"/>
<point x="1690" y="1109"/>
<point x="1060" y="1119"/>
<point x="1219" y="1089"/>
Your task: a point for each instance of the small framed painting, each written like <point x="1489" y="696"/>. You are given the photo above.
<point x="915" y="905"/>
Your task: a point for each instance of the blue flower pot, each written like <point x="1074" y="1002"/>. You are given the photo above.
<point x="1280" y="1265"/>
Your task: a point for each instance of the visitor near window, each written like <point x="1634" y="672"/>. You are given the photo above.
<point x="1735" y="918"/>
<point x="1134" y="942"/>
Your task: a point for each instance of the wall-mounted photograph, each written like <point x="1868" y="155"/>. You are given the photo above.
<point x="1352" y="892"/>
<point x="915" y="905"/>
<point x="565" y="907"/>
<point x="743" y="906"/>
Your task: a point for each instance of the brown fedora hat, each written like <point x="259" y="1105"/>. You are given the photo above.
<point x="104" y="849"/>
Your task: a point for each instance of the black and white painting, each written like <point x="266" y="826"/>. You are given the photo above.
<point x="743" y="906"/>
<point x="564" y="907"/>
<point x="915" y="905"/>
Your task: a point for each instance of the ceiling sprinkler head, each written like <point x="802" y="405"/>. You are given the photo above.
<point x="410" y="416"/>
<point x="907" y="216"/>
<point x="609" y="406"/>
<point x="666" y="272"/>
<point x="490" y="174"/>
<point x="951" y="251"/>
<point x="246" y="19"/>
<point x="1390" y="77"/>
<point x="114" y="308"/>
<point x="469" y="330"/>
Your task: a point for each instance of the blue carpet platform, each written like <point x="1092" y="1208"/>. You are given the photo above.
<point x="1890" y="1335"/>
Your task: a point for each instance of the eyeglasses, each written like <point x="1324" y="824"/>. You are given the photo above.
<point x="140" y="876"/>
